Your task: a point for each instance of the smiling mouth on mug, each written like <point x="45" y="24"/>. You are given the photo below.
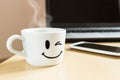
<point x="52" y="57"/>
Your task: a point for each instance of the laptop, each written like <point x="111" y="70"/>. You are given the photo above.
<point x="89" y="20"/>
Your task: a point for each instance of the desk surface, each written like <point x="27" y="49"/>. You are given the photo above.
<point x="77" y="65"/>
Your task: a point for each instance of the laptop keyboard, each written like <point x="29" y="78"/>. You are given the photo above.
<point x="77" y="30"/>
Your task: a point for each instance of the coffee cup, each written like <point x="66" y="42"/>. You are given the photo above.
<point x="41" y="46"/>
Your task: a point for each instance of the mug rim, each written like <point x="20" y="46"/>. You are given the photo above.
<point x="45" y="30"/>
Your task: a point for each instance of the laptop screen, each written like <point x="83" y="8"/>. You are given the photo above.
<point x="83" y="13"/>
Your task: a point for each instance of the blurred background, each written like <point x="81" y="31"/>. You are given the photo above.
<point x="14" y="16"/>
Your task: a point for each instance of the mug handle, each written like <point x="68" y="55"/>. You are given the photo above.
<point x="9" y="44"/>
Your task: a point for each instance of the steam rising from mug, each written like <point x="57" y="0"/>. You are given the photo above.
<point x="38" y="19"/>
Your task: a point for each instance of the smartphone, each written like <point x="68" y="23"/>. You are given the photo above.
<point x="97" y="48"/>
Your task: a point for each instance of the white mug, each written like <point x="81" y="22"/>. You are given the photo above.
<point x="41" y="46"/>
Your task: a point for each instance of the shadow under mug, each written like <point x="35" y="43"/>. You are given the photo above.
<point x="41" y="46"/>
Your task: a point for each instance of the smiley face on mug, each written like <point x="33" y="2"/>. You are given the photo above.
<point x="48" y="45"/>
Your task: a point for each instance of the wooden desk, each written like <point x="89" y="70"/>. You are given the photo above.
<point x="77" y="65"/>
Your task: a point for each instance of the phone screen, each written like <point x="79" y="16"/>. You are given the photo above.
<point x="100" y="47"/>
